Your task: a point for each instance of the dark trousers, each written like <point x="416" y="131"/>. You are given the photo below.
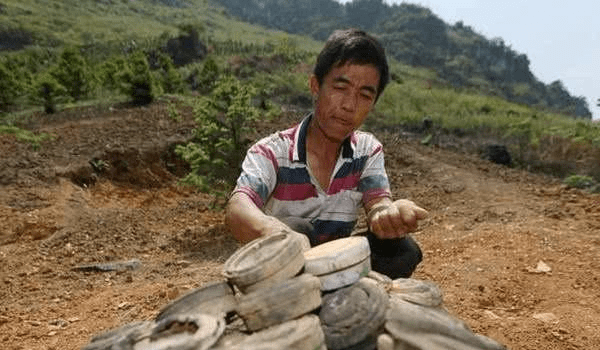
<point x="395" y="258"/>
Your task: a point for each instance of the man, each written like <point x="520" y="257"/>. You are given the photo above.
<point x="314" y="177"/>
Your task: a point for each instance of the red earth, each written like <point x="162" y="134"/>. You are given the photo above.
<point x="515" y="254"/>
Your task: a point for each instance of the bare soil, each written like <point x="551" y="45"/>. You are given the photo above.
<point x="516" y="254"/>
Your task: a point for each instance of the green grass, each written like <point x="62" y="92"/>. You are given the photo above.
<point x="416" y="97"/>
<point x="25" y="135"/>
<point x="92" y="21"/>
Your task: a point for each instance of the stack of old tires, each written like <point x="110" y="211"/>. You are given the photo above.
<point x="278" y="293"/>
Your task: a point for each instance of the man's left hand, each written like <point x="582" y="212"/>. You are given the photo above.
<point x="395" y="219"/>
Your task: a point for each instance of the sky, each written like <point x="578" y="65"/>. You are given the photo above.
<point x="560" y="38"/>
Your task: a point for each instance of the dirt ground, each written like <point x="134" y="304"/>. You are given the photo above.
<point x="516" y="254"/>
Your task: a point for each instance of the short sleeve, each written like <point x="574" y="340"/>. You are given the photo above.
<point x="374" y="181"/>
<point x="259" y="174"/>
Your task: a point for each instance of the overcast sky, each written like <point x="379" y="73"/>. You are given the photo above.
<point x="560" y="38"/>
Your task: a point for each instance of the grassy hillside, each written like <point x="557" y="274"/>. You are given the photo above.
<point x="534" y="136"/>
<point x="59" y="22"/>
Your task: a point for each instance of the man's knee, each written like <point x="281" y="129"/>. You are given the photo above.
<point x="395" y="258"/>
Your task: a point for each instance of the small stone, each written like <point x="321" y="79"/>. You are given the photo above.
<point x="546" y="317"/>
<point x="491" y="315"/>
<point x="541" y="267"/>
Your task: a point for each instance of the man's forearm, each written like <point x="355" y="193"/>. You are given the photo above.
<point x="245" y="220"/>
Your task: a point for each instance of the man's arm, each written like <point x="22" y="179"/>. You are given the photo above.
<point x="246" y="221"/>
<point x="393" y="219"/>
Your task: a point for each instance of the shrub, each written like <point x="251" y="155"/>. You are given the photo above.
<point x="137" y="80"/>
<point x="223" y="121"/>
<point x="170" y="77"/>
<point x="73" y="73"/>
<point x="204" y="79"/>
<point x="579" y="181"/>
<point x="49" y="92"/>
<point x="110" y="73"/>
<point x="9" y="88"/>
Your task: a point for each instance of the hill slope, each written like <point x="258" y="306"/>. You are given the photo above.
<point x="414" y="35"/>
<point x="489" y="228"/>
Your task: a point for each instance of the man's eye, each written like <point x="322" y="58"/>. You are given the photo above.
<point x="367" y="95"/>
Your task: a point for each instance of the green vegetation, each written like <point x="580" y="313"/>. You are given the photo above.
<point x="27" y="136"/>
<point x="234" y="81"/>
<point x="414" y="35"/>
<point x="224" y="118"/>
<point x="579" y="181"/>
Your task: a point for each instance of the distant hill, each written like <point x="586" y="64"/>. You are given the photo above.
<point x="411" y="33"/>
<point x="414" y="35"/>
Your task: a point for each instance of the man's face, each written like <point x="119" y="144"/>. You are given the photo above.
<point x="344" y="99"/>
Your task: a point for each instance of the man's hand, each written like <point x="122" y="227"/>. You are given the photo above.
<point x="389" y="219"/>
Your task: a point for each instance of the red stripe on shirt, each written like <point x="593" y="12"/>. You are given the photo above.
<point x="266" y="152"/>
<point x="294" y="192"/>
<point x="344" y="183"/>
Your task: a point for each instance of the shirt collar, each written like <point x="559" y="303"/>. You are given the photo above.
<point x="299" y="154"/>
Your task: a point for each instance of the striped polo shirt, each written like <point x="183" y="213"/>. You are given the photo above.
<point x="276" y="176"/>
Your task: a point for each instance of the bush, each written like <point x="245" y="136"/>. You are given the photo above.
<point x="579" y="181"/>
<point x="204" y="80"/>
<point x="110" y="73"/>
<point x="219" y="146"/>
<point x="73" y="73"/>
<point x="9" y="88"/>
<point x="137" y="80"/>
<point x="49" y="92"/>
<point x="170" y="77"/>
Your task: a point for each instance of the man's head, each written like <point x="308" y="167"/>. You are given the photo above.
<point x="352" y="46"/>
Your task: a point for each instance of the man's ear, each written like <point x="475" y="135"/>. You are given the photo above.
<point x="314" y="85"/>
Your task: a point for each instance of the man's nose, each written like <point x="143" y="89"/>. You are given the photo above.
<point x="349" y="102"/>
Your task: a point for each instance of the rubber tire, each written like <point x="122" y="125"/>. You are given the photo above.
<point x="282" y="302"/>
<point x="216" y="299"/>
<point x="432" y="328"/>
<point x="262" y="258"/>
<point x="117" y="338"/>
<point x="336" y="255"/>
<point x="354" y="316"/>
<point x="304" y="333"/>
<point x="208" y="329"/>
<point x="418" y="292"/>
<point x="345" y="277"/>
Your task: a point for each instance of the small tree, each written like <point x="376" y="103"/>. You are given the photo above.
<point x="9" y="88"/>
<point x="49" y="92"/>
<point x="223" y="120"/>
<point x="138" y="81"/>
<point x="172" y="81"/>
<point x="111" y="72"/>
<point x="73" y="73"/>
<point x="204" y="79"/>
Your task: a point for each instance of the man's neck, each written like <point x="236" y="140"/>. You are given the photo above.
<point x="320" y="145"/>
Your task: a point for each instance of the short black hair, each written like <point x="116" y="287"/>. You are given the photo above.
<point x="352" y="46"/>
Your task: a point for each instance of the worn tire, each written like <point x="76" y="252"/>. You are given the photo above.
<point x="284" y="301"/>
<point x="117" y="338"/>
<point x="216" y="299"/>
<point x="432" y="328"/>
<point x="336" y="255"/>
<point x="182" y="332"/>
<point x="347" y="276"/>
<point x="353" y="317"/>
<point x="304" y="333"/>
<point x="269" y="259"/>
<point x="416" y="291"/>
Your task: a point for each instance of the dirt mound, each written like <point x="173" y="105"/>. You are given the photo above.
<point x="514" y="253"/>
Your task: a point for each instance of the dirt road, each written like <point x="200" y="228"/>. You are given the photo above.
<point x="516" y="255"/>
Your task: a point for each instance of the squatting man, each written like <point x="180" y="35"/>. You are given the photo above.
<point x="314" y="177"/>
